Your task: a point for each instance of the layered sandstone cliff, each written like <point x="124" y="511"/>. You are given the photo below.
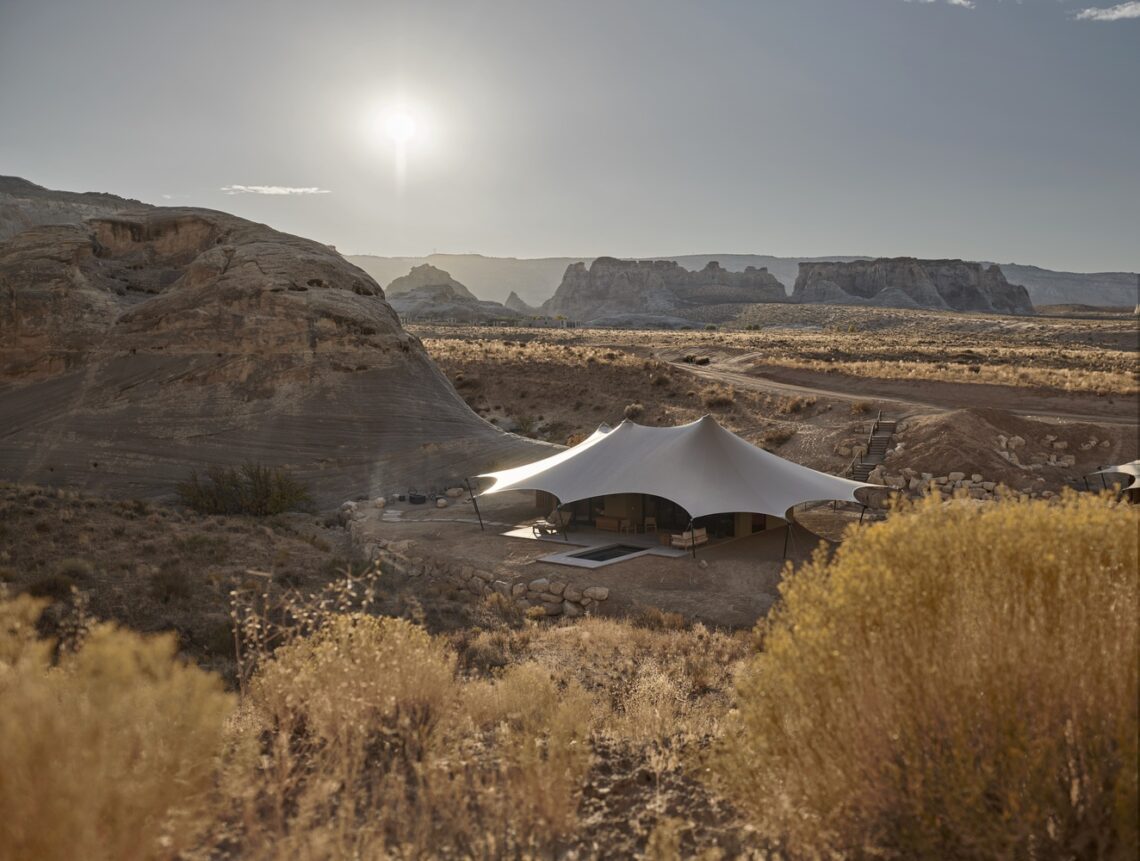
<point x="138" y="346"/>
<point x="905" y="282"/>
<point x="611" y="287"/>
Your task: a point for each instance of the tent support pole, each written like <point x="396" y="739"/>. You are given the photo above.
<point x="561" y="522"/>
<point x="787" y="532"/>
<point x="474" y="502"/>
<point x="692" y="538"/>
<point x="861" y="513"/>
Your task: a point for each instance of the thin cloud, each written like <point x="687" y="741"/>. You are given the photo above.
<point x="965" y="4"/>
<point x="272" y="189"/>
<point x="1111" y="13"/>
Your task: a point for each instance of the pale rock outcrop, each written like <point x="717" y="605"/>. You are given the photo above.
<point x="906" y="282"/>
<point x="611" y="287"/>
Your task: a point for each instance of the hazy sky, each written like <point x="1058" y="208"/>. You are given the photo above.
<point x="1005" y="131"/>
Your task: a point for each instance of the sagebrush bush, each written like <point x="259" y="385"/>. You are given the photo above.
<point x="959" y="682"/>
<point x="363" y="743"/>
<point x="719" y="397"/>
<point x="111" y="753"/>
<point x="250" y="489"/>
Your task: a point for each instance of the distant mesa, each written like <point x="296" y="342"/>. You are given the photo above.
<point x="427" y="275"/>
<point x="430" y="294"/>
<point x="613" y="288"/>
<point x="140" y="344"/>
<point x="906" y="282"/>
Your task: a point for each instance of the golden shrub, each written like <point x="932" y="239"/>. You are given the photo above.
<point x="110" y="752"/>
<point x="359" y="741"/>
<point x="957" y="682"/>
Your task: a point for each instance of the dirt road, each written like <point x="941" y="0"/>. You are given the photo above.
<point x="905" y="397"/>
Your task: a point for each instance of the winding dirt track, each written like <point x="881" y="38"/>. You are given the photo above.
<point x="909" y="398"/>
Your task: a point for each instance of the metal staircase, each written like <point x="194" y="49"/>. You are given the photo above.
<point x="878" y="441"/>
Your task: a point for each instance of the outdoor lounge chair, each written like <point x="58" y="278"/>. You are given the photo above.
<point x="689" y="539"/>
<point x="554" y="523"/>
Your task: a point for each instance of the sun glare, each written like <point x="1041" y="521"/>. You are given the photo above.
<point x="400" y="127"/>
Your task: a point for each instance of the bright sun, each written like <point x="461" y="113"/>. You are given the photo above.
<point x="400" y="127"/>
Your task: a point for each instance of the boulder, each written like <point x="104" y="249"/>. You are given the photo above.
<point x="539" y="585"/>
<point x="570" y="609"/>
<point x="441" y="503"/>
<point x="956" y="476"/>
<point x="596" y="593"/>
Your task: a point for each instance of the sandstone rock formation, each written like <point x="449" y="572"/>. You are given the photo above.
<point x="24" y="204"/>
<point x="427" y="276"/>
<point x="136" y="347"/>
<point x="612" y="287"/>
<point x="515" y="303"/>
<point x="905" y="282"/>
<point x="440" y="302"/>
<point x="428" y="293"/>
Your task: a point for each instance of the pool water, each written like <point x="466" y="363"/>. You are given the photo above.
<point x="610" y="551"/>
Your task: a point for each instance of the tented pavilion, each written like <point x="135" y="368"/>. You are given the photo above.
<point x="1125" y="477"/>
<point x="674" y="478"/>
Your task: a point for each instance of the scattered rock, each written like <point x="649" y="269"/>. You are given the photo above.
<point x="596" y="593"/>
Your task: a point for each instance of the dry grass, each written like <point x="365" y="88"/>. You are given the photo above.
<point x="1089" y="356"/>
<point x="108" y="752"/>
<point x="358" y="734"/>
<point x="958" y="682"/>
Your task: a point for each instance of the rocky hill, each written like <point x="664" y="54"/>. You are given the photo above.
<point x="517" y="304"/>
<point x="138" y="346"/>
<point x="427" y="275"/>
<point x="905" y="282"/>
<point x="612" y="287"/>
<point x="441" y="302"/>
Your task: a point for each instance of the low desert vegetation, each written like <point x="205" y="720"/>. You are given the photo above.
<point x="957" y="681"/>
<point x="250" y="489"/>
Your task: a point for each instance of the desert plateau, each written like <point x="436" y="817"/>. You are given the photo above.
<point x="347" y="512"/>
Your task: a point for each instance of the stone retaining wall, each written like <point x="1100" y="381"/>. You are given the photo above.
<point x="555" y="597"/>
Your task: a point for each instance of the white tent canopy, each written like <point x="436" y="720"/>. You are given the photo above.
<point x="1131" y="470"/>
<point x="700" y="466"/>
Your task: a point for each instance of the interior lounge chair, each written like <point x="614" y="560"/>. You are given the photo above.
<point x="690" y="539"/>
<point x="555" y="523"/>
